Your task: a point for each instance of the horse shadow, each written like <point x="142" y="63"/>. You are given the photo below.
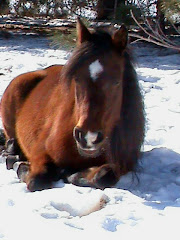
<point x="157" y="179"/>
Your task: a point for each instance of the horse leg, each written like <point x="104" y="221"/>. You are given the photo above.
<point x="11" y="148"/>
<point x="98" y="177"/>
<point x="2" y="140"/>
<point x="22" y="170"/>
<point x="13" y="153"/>
<point x="42" y="173"/>
<point x="11" y="160"/>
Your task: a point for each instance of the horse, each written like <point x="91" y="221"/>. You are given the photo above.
<point x="82" y="122"/>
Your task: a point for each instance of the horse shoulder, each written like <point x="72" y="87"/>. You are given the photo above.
<point x="14" y="97"/>
<point x="37" y="114"/>
<point x="17" y="92"/>
<point x="20" y="87"/>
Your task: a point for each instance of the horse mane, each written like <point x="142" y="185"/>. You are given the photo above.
<point x="99" y="44"/>
<point x="128" y="134"/>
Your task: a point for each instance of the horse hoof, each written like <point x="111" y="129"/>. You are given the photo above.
<point x="38" y="183"/>
<point x="105" y="177"/>
<point x="78" y="180"/>
<point x="22" y="170"/>
<point x="10" y="160"/>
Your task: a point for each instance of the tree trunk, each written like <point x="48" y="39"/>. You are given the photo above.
<point x="106" y="8"/>
<point x="160" y="16"/>
<point x="4" y="6"/>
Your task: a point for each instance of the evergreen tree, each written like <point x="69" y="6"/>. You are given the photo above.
<point x="4" y="6"/>
<point x="160" y="15"/>
<point x="171" y="9"/>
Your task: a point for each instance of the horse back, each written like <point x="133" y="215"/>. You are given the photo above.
<point x="18" y="92"/>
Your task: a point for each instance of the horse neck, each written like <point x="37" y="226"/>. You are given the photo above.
<point x="65" y="103"/>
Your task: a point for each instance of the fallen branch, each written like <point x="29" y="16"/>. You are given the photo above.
<point x="156" y="37"/>
<point x="150" y="40"/>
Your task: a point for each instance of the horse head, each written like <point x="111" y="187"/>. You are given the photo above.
<point x="96" y="68"/>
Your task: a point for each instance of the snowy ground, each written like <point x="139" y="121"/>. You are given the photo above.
<point x="146" y="208"/>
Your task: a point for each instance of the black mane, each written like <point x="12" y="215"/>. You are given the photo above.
<point x="128" y="135"/>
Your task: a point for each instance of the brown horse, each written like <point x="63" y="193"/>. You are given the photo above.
<point x="83" y="122"/>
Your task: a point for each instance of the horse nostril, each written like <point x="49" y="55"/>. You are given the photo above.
<point x="100" y="138"/>
<point x="77" y="134"/>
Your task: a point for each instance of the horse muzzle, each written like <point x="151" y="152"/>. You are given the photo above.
<point x="89" y="144"/>
<point x="89" y="153"/>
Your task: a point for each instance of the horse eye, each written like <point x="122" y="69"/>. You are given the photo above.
<point x="76" y="80"/>
<point x="117" y="83"/>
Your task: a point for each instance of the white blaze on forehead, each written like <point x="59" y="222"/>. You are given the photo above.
<point x="90" y="138"/>
<point x="95" y="68"/>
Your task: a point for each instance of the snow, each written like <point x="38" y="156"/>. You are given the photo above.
<point x="144" y="205"/>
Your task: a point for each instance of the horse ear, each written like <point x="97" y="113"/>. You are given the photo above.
<point x="83" y="33"/>
<point x="120" y="37"/>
